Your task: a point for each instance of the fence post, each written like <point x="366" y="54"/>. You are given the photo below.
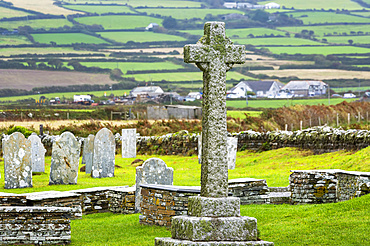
<point x="310" y="122"/>
<point x="286" y="127"/>
<point x="111" y="115"/>
<point x="67" y="115"/>
<point x="349" y="118"/>
<point x="319" y="121"/>
<point x="301" y="125"/>
<point x="359" y="116"/>
<point x="337" y="120"/>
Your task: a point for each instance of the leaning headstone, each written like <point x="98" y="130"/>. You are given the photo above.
<point x="153" y="171"/>
<point x="88" y="153"/>
<point x="232" y="147"/>
<point x="17" y="160"/>
<point x="128" y="139"/>
<point x="214" y="218"/>
<point x="38" y="153"/>
<point x="104" y="154"/>
<point x="65" y="158"/>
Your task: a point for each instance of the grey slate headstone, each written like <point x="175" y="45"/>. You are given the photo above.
<point x="38" y="153"/>
<point x="104" y="154"/>
<point x="65" y="158"/>
<point x="128" y="139"/>
<point x="153" y="171"/>
<point x="88" y="153"/>
<point x="232" y="146"/>
<point x="17" y="160"/>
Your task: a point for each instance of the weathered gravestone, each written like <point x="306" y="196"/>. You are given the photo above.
<point x="88" y="153"/>
<point x="17" y="161"/>
<point x="104" y="154"/>
<point x="232" y="146"/>
<point x="37" y="153"/>
<point x="65" y="158"/>
<point x="153" y="171"/>
<point x="214" y="218"/>
<point x="128" y="139"/>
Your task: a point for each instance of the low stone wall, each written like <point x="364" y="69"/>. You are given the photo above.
<point x="35" y="225"/>
<point x="161" y="202"/>
<point x="122" y="200"/>
<point x="326" y="186"/>
<point x="250" y="191"/>
<point x="9" y="199"/>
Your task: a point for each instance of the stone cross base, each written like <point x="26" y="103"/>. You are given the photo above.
<point x="213" y="222"/>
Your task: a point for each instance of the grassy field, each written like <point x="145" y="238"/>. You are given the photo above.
<point x="147" y="3"/>
<point x="327" y="17"/>
<point x="99" y="9"/>
<point x="133" y="66"/>
<point x="67" y="38"/>
<point x="276" y="41"/>
<point x="241" y="33"/>
<point x="124" y="37"/>
<point x="334" y="29"/>
<point x="323" y="50"/>
<point x="364" y="14"/>
<point x="189" y="13"/>
<point x="13" y="40"/>
<point x="36" y="24"/>
<point x="44" y="51"/>
<point x="43" y="6"/>
<point x="344" y="39"/>
<point x="185" y="76"/>
<point x="317" y="4"/>
<point x="8" y="13"/>
<point x="277" y="103"/>
<point x="119" y="21"/>
<point x="241" y="114"/>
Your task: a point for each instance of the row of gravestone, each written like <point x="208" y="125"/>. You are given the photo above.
<point x="23" y="156"/>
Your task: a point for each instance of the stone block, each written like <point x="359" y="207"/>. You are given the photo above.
<point x="214" y="207"/>
<point x="214" y="229"/>
<point x="176" y="242"/>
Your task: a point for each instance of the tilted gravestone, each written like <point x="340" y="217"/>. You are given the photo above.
<point x="128" y="139"/>
<point x="88" y="153"/>
<point x="104" y="154"/>
<point x="153" y="171"/>
<point x="38" y="153"/>
<point x="17" y="161"/>
<point x="214" y="218"/>
<point x="65" y="158"/>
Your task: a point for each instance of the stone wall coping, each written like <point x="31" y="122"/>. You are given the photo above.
<point x="244" y="180"/>
<point x="124" y="189"/>
<point x="38" y="196"/>
<point x="11" y="194"/>
<point x="27" y="209"/>
<point x="333" y="171"/>
<point x="96" y="189"/>
<point x="181" y="189"/>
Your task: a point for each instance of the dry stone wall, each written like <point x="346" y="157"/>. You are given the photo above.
<point x="122" y="200"/>
<point x="250" y="191"/>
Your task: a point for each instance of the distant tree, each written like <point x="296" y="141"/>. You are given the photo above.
<point x="260" y="15"/>
<point x="55" y="63"/>
<point x="350" y="41"/>
<point x="169" y="23"/>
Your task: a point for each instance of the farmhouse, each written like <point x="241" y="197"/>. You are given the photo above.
<point x="195" y="95"/>
<point x="262" y="88"/>
<point x="305" y="88"/>
<point x="272" y="6"/>
<point x="146" y="91"/>
<point x="151" y="26"/>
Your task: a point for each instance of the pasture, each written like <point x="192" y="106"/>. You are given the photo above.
<point x="344" y="39"/>
<point x="241" y="33"/>
<point x="140" y="37"/>
<point x="241" y="114"/>
<point x="119" y="21"/>
<point x="317" y="4"/>
<point x="36" y="24"/>
<point x="276" y="41"/>
<point x="133" y="66"/>
<point x="188" y="13"/>
<point x="327" y="17"/>
<point x="324" y="30"/>
<point x="8" y="13"/>
<point x="323" y="50"/>
<point x="43" y="6"/>
<point x="13" y="40"/>
<point x="67" y="38"/>
<point x="99" y="9"/>
<point x="319" y="74"/>
<point x="44" y="51"/>
<point x="147" y="3"/>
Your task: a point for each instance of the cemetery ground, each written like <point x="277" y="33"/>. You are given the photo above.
<point x="344" y="222"/>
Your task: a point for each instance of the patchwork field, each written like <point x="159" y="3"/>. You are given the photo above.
<point x="13" y="40"/>
<point x="323" y="50"/>
<point x="276" y="41"/>
<point x="43" y="6"/>
<point x="36" y="24"/>
<point x="320" y="74"/>
<point x="147" y="3"/>
<point x="140" y="37"/>
<point x="119" y="21"/>
<point x="189" y="13"/>
<point x="99" y="9"/>
<point x="8" y="13"/>
<point x="334" y="29"/>
<point x="134" y="66"/>
<point x="67" y="38"/>
<point x="44" y="51"/>
<point x="241" y="33"/>
<point x="344" y="39"/>
<point x="317" y="4"/>
<point x="327" y="17"/>
<point x="28" y="79"/>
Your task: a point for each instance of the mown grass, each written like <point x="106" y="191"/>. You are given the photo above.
<point x="147" y="3"/>
<point x="99" y="9"/>
<point x="277" y="103"/>
<point x="13" y="40"/>
<point x="119" y="21"/>
<point x="8" y="13"/>
<point x="317" y="4"/>
<point x="276" y="41"/>
<point x="140" y="37"/>
<point x="333" y="29"/>
<point x="323" y="50"/>
<point x="189" y="13"/>
<point x="67" y="38"/>
<point x="134" y="66"/>
<point x="36" y="24"/>
<point x="344" y="39"/>
<point x="327" y="17"/>
<point x="241" y="33"/>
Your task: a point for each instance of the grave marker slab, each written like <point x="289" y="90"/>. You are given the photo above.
<point x="153" y="171"/>
<point x="128" y="139"/>
<point x="65" y="158"/>
<point x="37" y="153"/>
<point x="88" y="153"/>
<point x="104" y="154"/>
<point x="17" y="161"/>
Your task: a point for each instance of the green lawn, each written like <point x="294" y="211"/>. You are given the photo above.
<point x="317" y="4"/>
<point x="327" y="17"/>
<point x="344" y="39"/>
<point x="119" y="21"/>
<point x="44" y="51"/>
<point x="99" y="9"/>
<point x="334" y="29"/>
<point x="146" y="3"/>
<point x="241" y="114"/>
<point x="277" y="103"/>
<point x="36" y="24"/>
<point x="141" y="37"/>
<point x="13" y="40"/>
<point x="185" y="76"/>
<point x="67" y="38"/>
<point x="241" y="33"/>
<point x="8" y="13"/>
<point x="126" y="66"/>
<point x="319" y="50"/>
<point x="276" y="41"/>
<point x="189" y="13"/>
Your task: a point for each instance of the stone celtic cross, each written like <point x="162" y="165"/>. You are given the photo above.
<point x="214" y="54"/>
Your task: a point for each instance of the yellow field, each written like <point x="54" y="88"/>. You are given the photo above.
<point x="43" y="6"/>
